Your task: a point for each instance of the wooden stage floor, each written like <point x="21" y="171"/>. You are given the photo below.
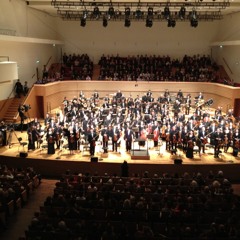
<point x="160" y="161"/>
<point x="156" y="155"/>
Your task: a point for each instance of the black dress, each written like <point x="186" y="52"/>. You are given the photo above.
<point x="51" y="142"/>
<point x="190" y="146"/>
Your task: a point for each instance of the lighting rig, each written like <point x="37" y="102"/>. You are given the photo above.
<point x="169" y="11"/>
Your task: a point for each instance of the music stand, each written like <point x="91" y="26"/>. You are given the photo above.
<point x="139" y="140"/>
<point x="150" y="136"/>
<point x="135" y="129"/>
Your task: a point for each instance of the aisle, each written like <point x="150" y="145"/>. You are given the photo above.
<point x="22" y="218"/>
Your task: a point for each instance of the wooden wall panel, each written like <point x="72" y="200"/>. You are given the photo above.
<point x="53" y="93"/>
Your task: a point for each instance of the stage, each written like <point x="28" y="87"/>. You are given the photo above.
<point x="153" y="160"/>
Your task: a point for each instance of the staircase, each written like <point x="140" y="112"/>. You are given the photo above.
<point x="12" y="111"/>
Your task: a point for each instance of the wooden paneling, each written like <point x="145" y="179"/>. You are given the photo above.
<point x="53" y="93"/>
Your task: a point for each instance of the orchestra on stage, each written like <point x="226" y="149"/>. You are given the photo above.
<point x="182" y="122"/>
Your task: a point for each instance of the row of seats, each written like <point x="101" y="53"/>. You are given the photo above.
<point x="16" y="186"/>
<point x="160" y="68"/>
<point x="86" y="206"/>
<point x="141" y="68"/>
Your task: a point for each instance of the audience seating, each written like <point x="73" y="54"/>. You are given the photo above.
<point x="16" y="186"/>
<point x="139" y="68"/>
<point x="85" y="206"/>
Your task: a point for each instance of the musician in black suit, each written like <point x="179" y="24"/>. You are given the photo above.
<point x="3" y="134"/>
<point x="115" y="135"/>
<point x="51" y="141"/>
<point x="218" y="140"/>
<point x="202" y="140"/>
<point x="92" y="138"/>
<point x="180" y="95"/>
<point x="105" y="138"/>
<point x="236" y="142"/>
<point x="190" y="144"/>
<point x="128" y="136"/>
<point x="188" y="104"/>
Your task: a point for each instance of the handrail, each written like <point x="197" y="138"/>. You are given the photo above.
<point x="224" y="60"/>
<point x="48" y="61"/>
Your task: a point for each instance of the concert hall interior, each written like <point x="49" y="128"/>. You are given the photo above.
<point x="140" y="107"/>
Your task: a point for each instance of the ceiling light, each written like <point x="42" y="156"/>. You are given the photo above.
<point x="105" y="22"/>
<point x="166" y="12"/>
<point x="149" y="22"/>
<point x="127" y="11"/>
<point x="83" y="22"/>
<point x="127" y="22"/>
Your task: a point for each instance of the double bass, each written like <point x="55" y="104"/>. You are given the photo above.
<point x="237" y="143"/>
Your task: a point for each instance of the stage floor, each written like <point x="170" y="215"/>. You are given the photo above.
<point x="141" y="155"/>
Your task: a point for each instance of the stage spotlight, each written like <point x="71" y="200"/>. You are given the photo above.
<point x="138" y="14"/>
<point x="171" y="23"/>
<point x="105" y="22"/>
<point x="127" y="12"/>
<point x="85" y="13"/>
<point x="111" y="12"/>
<point x="193" y="18"/>
<point x="149" y="22"/>
<point x="194" y="22"/>
<point x="96" y="12"/>
<point x="193" y="14"/>
<point x="166" y="12"/>
<point x="127" y="22"/>
<point x="182" y="13"/>
<point x="83" y="22"/>
<point x="150" y="12"/>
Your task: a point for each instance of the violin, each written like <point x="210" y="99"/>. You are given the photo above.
<point x="71" y="138"/>
<point x="237" y="143"/>
<point x="50" y="139"/>
<point x="190" y="144"/>
<point x="174" y="138"/>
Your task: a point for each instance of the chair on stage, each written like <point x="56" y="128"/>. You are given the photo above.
<point x="64" y="147"/>
<point x="43" y="146"/>
<point x="22" y="144"/>
<point x="86" y="148"/>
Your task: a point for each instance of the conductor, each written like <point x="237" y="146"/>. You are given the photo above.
<point x="92" y="138"/>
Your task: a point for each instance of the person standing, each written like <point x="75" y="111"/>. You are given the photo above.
<point x="190" y="144"/>
<point x="124" y="168"/>
<point x="236" y="143"/>
<point x="25" y="88"/>
<point x="202" y="140"/>
<point x="51" y="141"/>
<point x="115" y="135"/>
<point x="128" y="138"/>
<point x="45" y="73"/>
<point x="218" y="140"/>
<point x="22" y="116"/>
<point x="18" y="88"/>
<point x="105" y="138"/>
<point x="92" y="138"/>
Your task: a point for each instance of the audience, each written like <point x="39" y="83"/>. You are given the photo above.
<point x="77" y="67"/>
<point x="15" y="187"/>
<point x="162" y="206"/>
<point x="139" y="68"/>
<point x="159" y="68"/>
